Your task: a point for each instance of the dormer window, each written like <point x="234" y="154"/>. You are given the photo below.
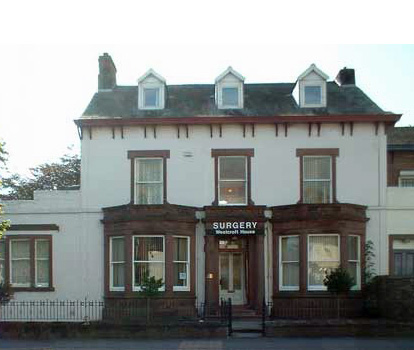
<point x="229" y="90"/>
<point x="310" y="90"/>
<point x="151" y="91"/>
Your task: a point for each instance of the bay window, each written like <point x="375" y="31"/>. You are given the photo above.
<point x="323" y="257"/>
<point x="148" y="259"/>
<point x="181" y="262"/>
<point x="289" y="263"/>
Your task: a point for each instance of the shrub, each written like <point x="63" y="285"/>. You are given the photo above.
<point x="339" y="281"/>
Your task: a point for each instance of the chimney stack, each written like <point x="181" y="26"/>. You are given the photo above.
<point x="107" y="73"/>
<point x="346" y="76"/>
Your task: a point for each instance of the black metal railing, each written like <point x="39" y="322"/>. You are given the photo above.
<point x="123" y="311"/>
<point x="52" y="311"/>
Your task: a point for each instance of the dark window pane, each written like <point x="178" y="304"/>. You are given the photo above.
<point x="232" y="168"/>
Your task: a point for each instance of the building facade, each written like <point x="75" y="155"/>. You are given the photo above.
<point x="224" y="190"/>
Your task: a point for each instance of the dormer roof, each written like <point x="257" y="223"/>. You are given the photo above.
<point x="313" y="68"/>
<point x="229" y="70"/>
<point x="152" y="72"/>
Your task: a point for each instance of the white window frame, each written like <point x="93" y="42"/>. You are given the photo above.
<point x="112" y="263"/>
<point x="245" y="180"/>
<point x="232" y="85"/>
<point x="188" y="266"/>
<point x="142" y="86"/>
<point x="19" y="285"/>
<point x="281" y="286"/>
<point x="405" y="175"/>
<point x="137" y="182"/>
<point x="137" y="288"/>
<point x="36" y="259"/>
<point x="357" y="285"/>
<point x="316" y="83"/>
<point x="320" y="287"/>
<point x="317" y="180"/>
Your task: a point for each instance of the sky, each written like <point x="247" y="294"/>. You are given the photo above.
<point x="49" y="55"/>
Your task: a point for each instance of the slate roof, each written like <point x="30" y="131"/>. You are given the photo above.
<point x="259" y="100"/>
<point x="401" y="138"/>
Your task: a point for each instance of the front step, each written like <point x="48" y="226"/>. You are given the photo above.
<point x="247" y="328"/>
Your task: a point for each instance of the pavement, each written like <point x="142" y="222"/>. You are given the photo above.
<point x="298" y="343"/>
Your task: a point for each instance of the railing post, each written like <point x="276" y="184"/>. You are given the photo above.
<point x="230" y="325"/>
<point x="264" y="317"/>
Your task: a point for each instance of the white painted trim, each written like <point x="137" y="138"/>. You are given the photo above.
<point x="111" y="287"/>
<point x="229" y="70"/>
<point x="187" y="287"/>
<point x="143" y="84"/>
<point x="281" y="286"/>
<point x="313" y="68"/>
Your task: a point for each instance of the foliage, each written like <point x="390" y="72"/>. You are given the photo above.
<point x="4" y="224"/>
<point x="5" y="293"/>
<point x="150" y="286"/>
<point x="48" y="176"/>
<point x="369" y="262"/>
<point x="339" y="281"/>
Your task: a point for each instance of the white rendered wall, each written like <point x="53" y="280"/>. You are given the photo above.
<point x="275" y="168"/>
<point x="77" y="247"/>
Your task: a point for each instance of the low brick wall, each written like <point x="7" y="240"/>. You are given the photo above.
<point x="50" y="330"/>
<point x="393" y="297"/>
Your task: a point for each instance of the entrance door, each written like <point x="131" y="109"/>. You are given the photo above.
<point x="232" y="277"/>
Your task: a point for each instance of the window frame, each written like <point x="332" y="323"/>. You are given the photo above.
<point x="138" y="288"/>
<point x="405" y="175"/>
<point x="392" y="251"/>
<point x="149" y="154"/>
<point x="32" y="286"/>
<point x="283" y="288"/>
<point x="318" y="152"/>
<point x="357" y="285"/>
<point x="317" y="180"/>
<point x="188" y="266"/>
<point x="320" y="287"/>
<point x="138" y="182"/>
<point x="248" y="153"/>
<point x="222" y="181"/>
<point x="111" y="264"/>
<point x="313" y="83"/>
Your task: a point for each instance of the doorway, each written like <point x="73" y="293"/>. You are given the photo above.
<point x="232" y="272"/>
